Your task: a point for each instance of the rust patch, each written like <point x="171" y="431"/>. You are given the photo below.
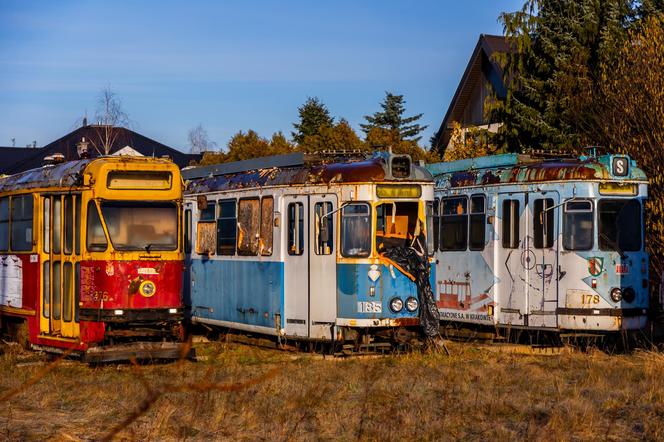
<point x="363" y="171"/>
<point x="463" y="179"/>
<point x="405" y="322"/>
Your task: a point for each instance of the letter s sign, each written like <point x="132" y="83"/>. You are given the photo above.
<point x="620" y="166"/>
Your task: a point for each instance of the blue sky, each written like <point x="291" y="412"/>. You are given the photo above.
<point x="229" y="65"/>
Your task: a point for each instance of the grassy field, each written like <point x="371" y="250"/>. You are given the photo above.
<point x="249" y="393"/>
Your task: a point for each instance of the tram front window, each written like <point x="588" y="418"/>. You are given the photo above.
<point x="578" y="225"/>
<point x="619" y="225"/>
<point x="356" y="230"/>
<point x="141" y="225"/>
<point x="396" y="225"/>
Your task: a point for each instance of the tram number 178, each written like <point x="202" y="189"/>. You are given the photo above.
<point x="369" y="307"/>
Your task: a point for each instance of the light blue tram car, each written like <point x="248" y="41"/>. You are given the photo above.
<point x="550" y="244"/>
<point x="290" y="246"/>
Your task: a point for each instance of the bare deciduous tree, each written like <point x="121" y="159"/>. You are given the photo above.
<point x="110" y="116"/>
<point x="199" y="140"/>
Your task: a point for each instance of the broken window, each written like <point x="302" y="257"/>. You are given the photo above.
<point x="266" y="234"/>
<point x="248" y="226"/>
<point x="396" y="225"/>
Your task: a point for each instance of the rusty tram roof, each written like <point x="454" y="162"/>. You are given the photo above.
<point x="522" y="169"/>
<point x="67" y="174"/>
<point x="367" y="170"/>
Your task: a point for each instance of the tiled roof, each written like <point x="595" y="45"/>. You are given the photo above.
<point x="12" y="155"/>
<point x="66" y="145"/>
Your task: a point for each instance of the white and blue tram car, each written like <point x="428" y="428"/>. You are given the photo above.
<point x="284" y="247"/>
<point x="542" y="244"/>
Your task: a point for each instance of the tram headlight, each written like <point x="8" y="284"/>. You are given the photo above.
<point x="396" y="305"/>
<point x="147" y="289"/>
<point x="629" y="295"/>
<point x="616" y="294"/>
<point x="412" y="304"/>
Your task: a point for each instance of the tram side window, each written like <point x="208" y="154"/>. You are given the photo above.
<point x="266" y="233"/>
<point x="68" y="223"/>
<point x="187" y="231"/>
<point x="248" y="226"/>
<point x="477" y="233"/>
<point x="324" y="224"/>
<point x="436" y="224"/>
<point x="21" y="223"/>
<point x="454" y="224"/>
<point x="430" y="229"/>
<point x="96" y="239"/>
<point x="227" y="227"/>
<point x="356" y="230"/>
<point x="4" y="224"/>
<point x="77" y="224"/>
<point x="619" y="225"/>
<point x="295" y="229"/>
<point x="543" y="223"/>
<point x="578" y="225"/>
<point x="206" y="229"/>
<point x="510" y="231"/>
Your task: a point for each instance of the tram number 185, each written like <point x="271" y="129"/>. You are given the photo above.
<point x="369" y="307"/>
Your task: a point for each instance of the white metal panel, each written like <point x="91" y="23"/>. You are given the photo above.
<point x="11" y="281"/>
<point x="296" y="272"/>
<point x="543" y="273"/>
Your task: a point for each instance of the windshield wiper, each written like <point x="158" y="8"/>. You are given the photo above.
<point x="614" y="244"/>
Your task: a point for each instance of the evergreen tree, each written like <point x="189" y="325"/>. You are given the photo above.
<point x="313" y="116"/>
<point x="391" y="118"/>
<point x="560" y="52"/>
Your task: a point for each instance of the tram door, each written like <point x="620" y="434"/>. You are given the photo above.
<point x="543" y="252"/>
<point x="513" y="258"/>
<point x="295" y="256"/>
<point x="60" y="258"/>
<point x="323" y="266"/>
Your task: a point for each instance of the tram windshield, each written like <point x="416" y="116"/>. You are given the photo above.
<point x="356" y="230"/>
<point x="396" y="225"/>
<point x="141" y="225"/>
<point x="619" y="225"/>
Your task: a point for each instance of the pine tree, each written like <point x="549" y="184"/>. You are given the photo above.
<point x="313" y="116"/>
<point x="560" y="51"/>
<point x="391" y="118"/>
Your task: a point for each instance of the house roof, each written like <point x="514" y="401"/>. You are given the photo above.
<point x="481" y="60"/>
<point x="13" y="155"/>
<point x="66" y="145"/>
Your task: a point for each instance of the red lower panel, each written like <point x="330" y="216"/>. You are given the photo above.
<point x="115" y="284"/>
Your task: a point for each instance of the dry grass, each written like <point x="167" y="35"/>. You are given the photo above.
<point x="473" y="394"/>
